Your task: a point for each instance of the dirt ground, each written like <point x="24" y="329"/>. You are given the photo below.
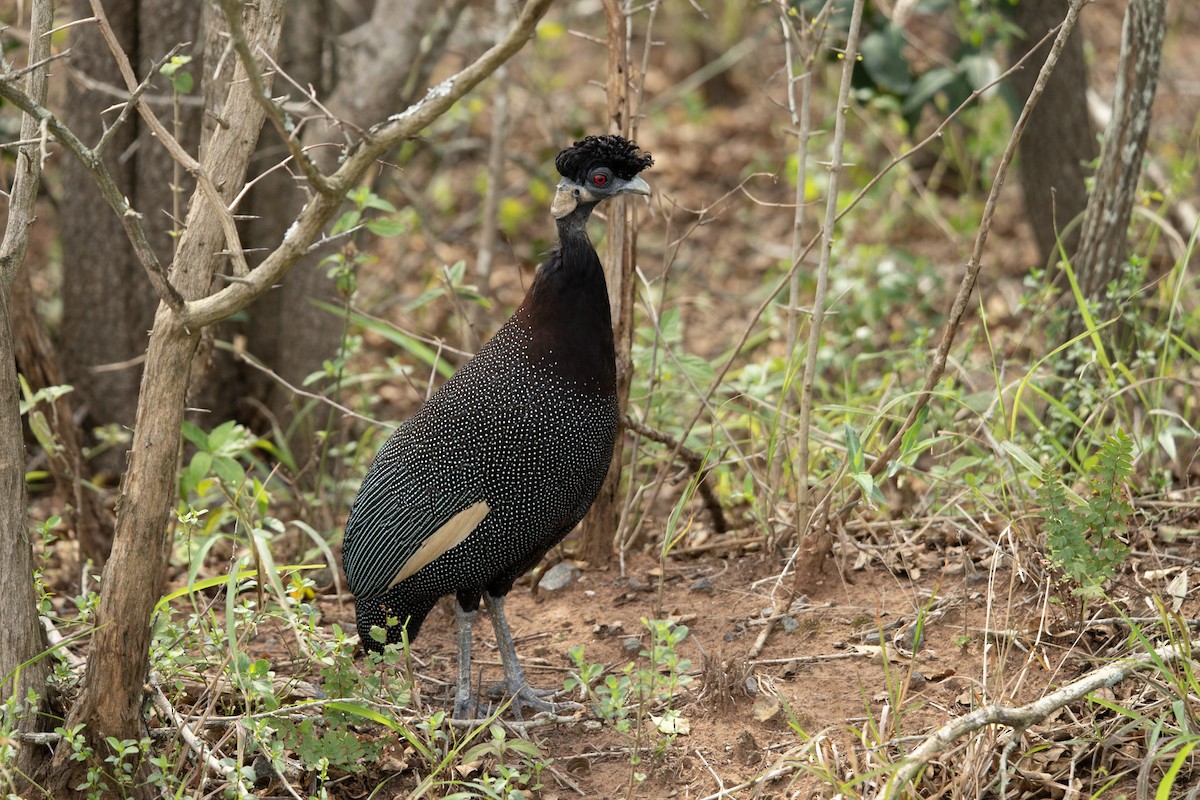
<point x="780" y="675"/>
<point x="820" y="669"/>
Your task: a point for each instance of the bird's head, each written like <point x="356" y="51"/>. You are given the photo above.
<point x="597" y="168"/>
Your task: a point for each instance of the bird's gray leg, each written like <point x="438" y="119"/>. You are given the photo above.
<point x="514" y="679"/>
<point x="464" y="699"/>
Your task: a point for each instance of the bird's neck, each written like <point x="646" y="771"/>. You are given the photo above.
<point x="567" y="313"/>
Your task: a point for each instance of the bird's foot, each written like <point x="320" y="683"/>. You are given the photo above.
<point x="528" y="698"/>
<point x="465" y="708"/>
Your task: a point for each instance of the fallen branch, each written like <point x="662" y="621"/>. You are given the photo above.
<point x="192" y="740"/>
<point x="1022" y="717"/>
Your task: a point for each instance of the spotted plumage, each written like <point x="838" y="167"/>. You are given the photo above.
<point x="506" y="457"/>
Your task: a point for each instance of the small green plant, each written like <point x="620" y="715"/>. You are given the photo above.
<point x="625" y="698"/>
<point x="1084" y="541"/>
<point x="120" y="778"/>
<point x="513" y="767"/>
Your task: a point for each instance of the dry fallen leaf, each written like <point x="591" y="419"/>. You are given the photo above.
<point x="766" y="707"/>
<point x="672" y="724"/>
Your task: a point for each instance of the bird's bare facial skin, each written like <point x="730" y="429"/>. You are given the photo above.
<point x="565" y="200"/>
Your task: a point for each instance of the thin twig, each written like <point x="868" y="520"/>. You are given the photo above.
<point x="376" y="141"/>
<point x="841" y="112"/>
<point x="198" y="746"/>
<point x="275" y="376"/>
<point x="237" y="34"/>
<point x="224" y="215"/>
<point x="693" y="460"/>
<point x="967" y="286"/>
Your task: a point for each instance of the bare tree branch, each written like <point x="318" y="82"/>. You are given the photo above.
<point x="233" y="241"/>
<point x="377" y="141"/>
<point x="131" y="220"/>
<point x="232" y="10"/>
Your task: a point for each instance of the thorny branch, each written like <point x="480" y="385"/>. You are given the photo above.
<point x="233" y="15"/>
<point x="233" y="241"/>
<point x="375" y="142"/>
<point x="130" y="219"/>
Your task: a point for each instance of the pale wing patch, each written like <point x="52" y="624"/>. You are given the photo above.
<point x="459" y="527"/>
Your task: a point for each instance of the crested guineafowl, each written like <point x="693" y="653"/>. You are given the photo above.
<point x="508" y="455"/>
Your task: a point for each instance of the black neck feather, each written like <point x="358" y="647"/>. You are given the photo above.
<point x="567" y="313"/>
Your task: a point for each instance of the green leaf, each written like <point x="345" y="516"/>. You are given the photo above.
<point x="346" y="221"/>
<point x="182" y="83"/>
<point x="378" y="203"/>
<point x="1021" y="457"/>
<point x="388" y="226"/>
<point x="193" y="433"/>
<point x="883" y="59"/>
<point x="854" y="454"/>
<point x="925" y="88"/>
<point x="228" y="470"/>
<point x="220" y="436"/>
<point x="363" y="712"/>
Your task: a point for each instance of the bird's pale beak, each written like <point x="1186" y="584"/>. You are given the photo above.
<point x="636" y="186"/>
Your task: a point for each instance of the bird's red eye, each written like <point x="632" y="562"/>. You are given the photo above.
<point x="600" y="179"/>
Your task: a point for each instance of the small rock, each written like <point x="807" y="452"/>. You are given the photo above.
<point x="751" y="685"/>
<point x="767" y="707"/>
<point x="789" y="623"/>
<point x="746" y="749"/>
<point x="558" y="577"/>
<point x="631" y="643"/>
<point x="703" y="584"/>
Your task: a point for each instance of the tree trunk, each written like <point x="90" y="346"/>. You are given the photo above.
<point x="1058" y="143"/>
<point x="86" y="516"/>
<point x="111" y="701"/>
<point x="21" y="637"/>
<point x="597" y="529"/>
<point x="1104" y="237"/>
<point x="22" y="671"/>
<point x="104" y="288"/>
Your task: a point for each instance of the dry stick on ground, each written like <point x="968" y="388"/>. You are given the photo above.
<point x="808" y="570"/>
<point x="1022" y="717"/>
<point x="230" y="773"/>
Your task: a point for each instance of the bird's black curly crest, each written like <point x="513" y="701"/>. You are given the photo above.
<point x="617" y="153"/>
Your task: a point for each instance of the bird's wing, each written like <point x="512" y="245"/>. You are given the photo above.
<point x="395" y="528"/>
